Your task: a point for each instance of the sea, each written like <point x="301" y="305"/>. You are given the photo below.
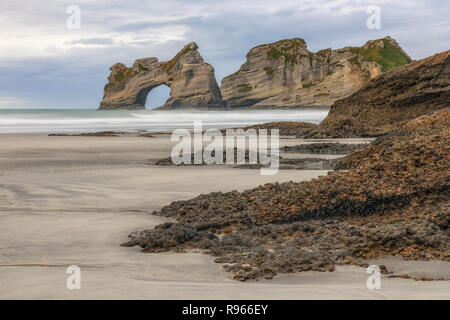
<point x="91" y="120"/>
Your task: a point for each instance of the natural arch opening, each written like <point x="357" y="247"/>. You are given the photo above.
<point x="157" y="97"/>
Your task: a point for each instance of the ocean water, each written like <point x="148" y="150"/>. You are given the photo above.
<point x="89" y="120"/>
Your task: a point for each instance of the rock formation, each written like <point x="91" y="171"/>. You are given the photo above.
<point x="192" y="82"/>
<point x="281" y="74"/>
<point x="286" y="128"/>
<point x="286" y="74"/>
<point x="390" y="100"/>
<point x="394" y="200"/>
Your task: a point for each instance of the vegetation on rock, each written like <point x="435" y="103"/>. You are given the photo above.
<point x="289" y="49"/>
<point x="244" y="87"/>
<point x="172" y="62"/>
<point x="269" y="71"/>
<point x="142" y="67"/>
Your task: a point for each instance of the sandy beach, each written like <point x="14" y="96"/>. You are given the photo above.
<point x="72" y="201"/>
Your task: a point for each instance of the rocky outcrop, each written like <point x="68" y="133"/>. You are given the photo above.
<point x="324" y="148"/>
<point x="192" y="82"/>
<point x="390" y="100"/>
<point x="394" y="200"/>
<point x="286" y="74"/>
<point x="286" y="128"/>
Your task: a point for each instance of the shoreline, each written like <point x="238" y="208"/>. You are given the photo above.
<point x="73" y="200"/>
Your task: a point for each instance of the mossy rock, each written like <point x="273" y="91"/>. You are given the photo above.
<point x="123" y="75"/>
<point x="388" y="57"/>
<point x="289" y="50"/>
<point x="365" y="76"/>
<point x="275" y="53"/>
<point x="269" y="71"/>
<point x="142" y="67"/>
<point x="244" y="87"/>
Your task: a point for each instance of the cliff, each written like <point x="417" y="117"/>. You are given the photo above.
<point x="286" y="74"/>
<point x="390" y="100"/>
<point x="191" y="81"/>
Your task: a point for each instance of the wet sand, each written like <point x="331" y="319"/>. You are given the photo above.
<point x="73" y="200"/>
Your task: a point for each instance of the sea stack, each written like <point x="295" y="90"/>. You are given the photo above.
<point x="191" y="81"/>
<point x="285" y="74"/>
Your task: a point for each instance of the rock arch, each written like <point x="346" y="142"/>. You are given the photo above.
<point x="157" y="97"/>
<point x="191" y="81"/>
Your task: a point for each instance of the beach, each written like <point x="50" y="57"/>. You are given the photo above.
<point x="181" y="153"/>
<point x="73" y="200"/>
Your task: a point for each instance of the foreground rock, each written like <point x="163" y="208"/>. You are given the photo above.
<point x="324" y="148"/>
<point x="394" y="200"/>
<point x="90" y="134"/>
<point x="285" y="74"/>
<point x="390" y="100"/>
<point x="192" y="82"/>
<point x="286" y="128"/>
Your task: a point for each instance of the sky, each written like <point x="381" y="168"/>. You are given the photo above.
<point x="46" y="64"/>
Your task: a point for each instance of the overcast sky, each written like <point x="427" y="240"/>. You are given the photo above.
<point x="45" y="64"/>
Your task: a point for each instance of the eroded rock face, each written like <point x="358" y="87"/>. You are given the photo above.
<point x="390" y="100"/>
<point x="286" y="74"/>
<point x="192" y="82"/>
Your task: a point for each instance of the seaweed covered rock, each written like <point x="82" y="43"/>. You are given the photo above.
<point x="393" y="200"/>
<point x="324" y="148"/>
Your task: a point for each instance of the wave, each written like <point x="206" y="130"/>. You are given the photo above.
<point x="51" y="121"/>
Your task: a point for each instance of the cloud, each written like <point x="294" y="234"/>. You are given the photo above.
<point x="42" y="60"/>
<point x="92" y="41"/>
<point x="12" y="103"/>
